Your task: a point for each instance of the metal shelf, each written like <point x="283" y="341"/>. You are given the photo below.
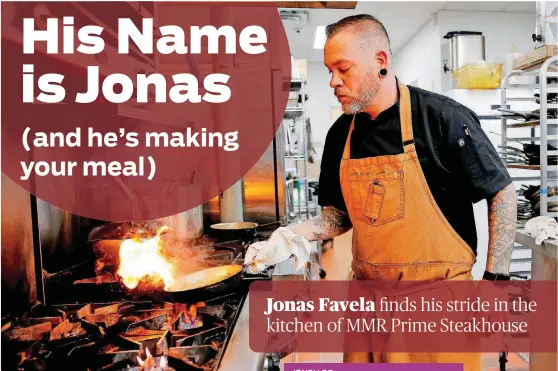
<point x="536" y="71"/>
<point x="301" y="208"/>
<point x="520" y="99"/>
<point x="293" y="113"/>
<point x="523" y="86"/>
<point x="533" y="139"/>
<point x="293" y="84"/>
<point x="521" y="264"/>
<point x="532" y="123"/>
<point x="522" y="260"/>
<point x="296" y="84"/>
<point x="532" y="167"/>
<point x="525" y="178"/>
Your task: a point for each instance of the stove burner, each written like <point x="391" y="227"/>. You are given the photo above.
<point x="113" y="336"/>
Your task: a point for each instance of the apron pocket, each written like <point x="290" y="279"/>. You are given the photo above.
<point x="377" y="198"/>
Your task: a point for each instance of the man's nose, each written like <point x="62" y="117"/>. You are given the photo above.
<point x="335" y="81"/>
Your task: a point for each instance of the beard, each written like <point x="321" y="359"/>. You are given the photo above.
<point x="363" y="98"/>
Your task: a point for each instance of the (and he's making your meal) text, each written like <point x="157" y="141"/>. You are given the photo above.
<point x="187" y="139"/>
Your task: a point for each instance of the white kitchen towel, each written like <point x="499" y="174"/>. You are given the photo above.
<point x="542" y="228"/>
<point x="281" y="245"/>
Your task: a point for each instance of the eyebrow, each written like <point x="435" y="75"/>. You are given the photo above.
<point x="339" y="62"/>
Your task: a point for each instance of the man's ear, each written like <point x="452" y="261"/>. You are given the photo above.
<point x="382" y="58"/>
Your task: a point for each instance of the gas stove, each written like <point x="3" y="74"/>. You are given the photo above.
<point x="121" y="335"/>
<point x="92" y="325"/>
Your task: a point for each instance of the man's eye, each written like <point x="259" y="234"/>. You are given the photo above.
<point x="343" y="70"/>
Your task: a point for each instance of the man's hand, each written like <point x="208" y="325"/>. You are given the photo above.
<point x="330" y="223"/>
<point x="293" y="240"/>
<point x="502" y="219"/>
<point x="281" y="245"/>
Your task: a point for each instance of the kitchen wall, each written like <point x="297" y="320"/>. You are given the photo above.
<point x="419" y="62"/>
<point x="501" y="30"/>
<point x="321" y="101"/>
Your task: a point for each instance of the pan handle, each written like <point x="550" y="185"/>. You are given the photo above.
<point x="270" y="224"/>
<point x="236" y="259"/>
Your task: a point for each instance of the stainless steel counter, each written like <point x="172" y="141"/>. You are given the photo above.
<point x="548" y="247"/>
<point x="543" y="267"/>
<point x="238" y="354"/>
<point x="544" y="257"/>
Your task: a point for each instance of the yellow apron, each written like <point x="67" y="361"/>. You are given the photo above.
<point x="399" y="232"/>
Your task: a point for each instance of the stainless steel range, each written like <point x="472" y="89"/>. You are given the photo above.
<point x="98" y="326"/>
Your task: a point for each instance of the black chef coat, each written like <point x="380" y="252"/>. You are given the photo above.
<point x="460" y="164"/>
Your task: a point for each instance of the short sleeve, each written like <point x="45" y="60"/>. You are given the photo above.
<point x="330" y="183"/>
<point x="477" y="162"/>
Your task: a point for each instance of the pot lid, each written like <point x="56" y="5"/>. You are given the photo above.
<point x="451" y="34"/>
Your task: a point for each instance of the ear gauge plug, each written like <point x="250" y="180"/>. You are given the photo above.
<point x="383" y="72"/>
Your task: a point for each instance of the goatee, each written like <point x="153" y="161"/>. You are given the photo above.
<point x="365" y="97"/>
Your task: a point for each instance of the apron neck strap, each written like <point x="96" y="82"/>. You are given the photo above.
<point x="405" y="118"/>
<point x="347" y="150"/>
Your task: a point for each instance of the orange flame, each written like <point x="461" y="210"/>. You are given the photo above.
<point x="192" y="312"/>
<point x="149" y="363"/>
<point x="140" y="259"/>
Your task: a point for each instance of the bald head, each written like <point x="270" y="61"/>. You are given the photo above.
<point x="368" y="31"/>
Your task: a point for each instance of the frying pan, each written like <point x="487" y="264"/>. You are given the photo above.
<point x="244" y="231"/>
<point x="206" y="282"/>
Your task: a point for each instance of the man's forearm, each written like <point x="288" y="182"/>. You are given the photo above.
<point x="330" y="223"/>
<point x="502" y="219"/>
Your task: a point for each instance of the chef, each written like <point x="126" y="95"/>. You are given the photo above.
<point x="402" y="167"/>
